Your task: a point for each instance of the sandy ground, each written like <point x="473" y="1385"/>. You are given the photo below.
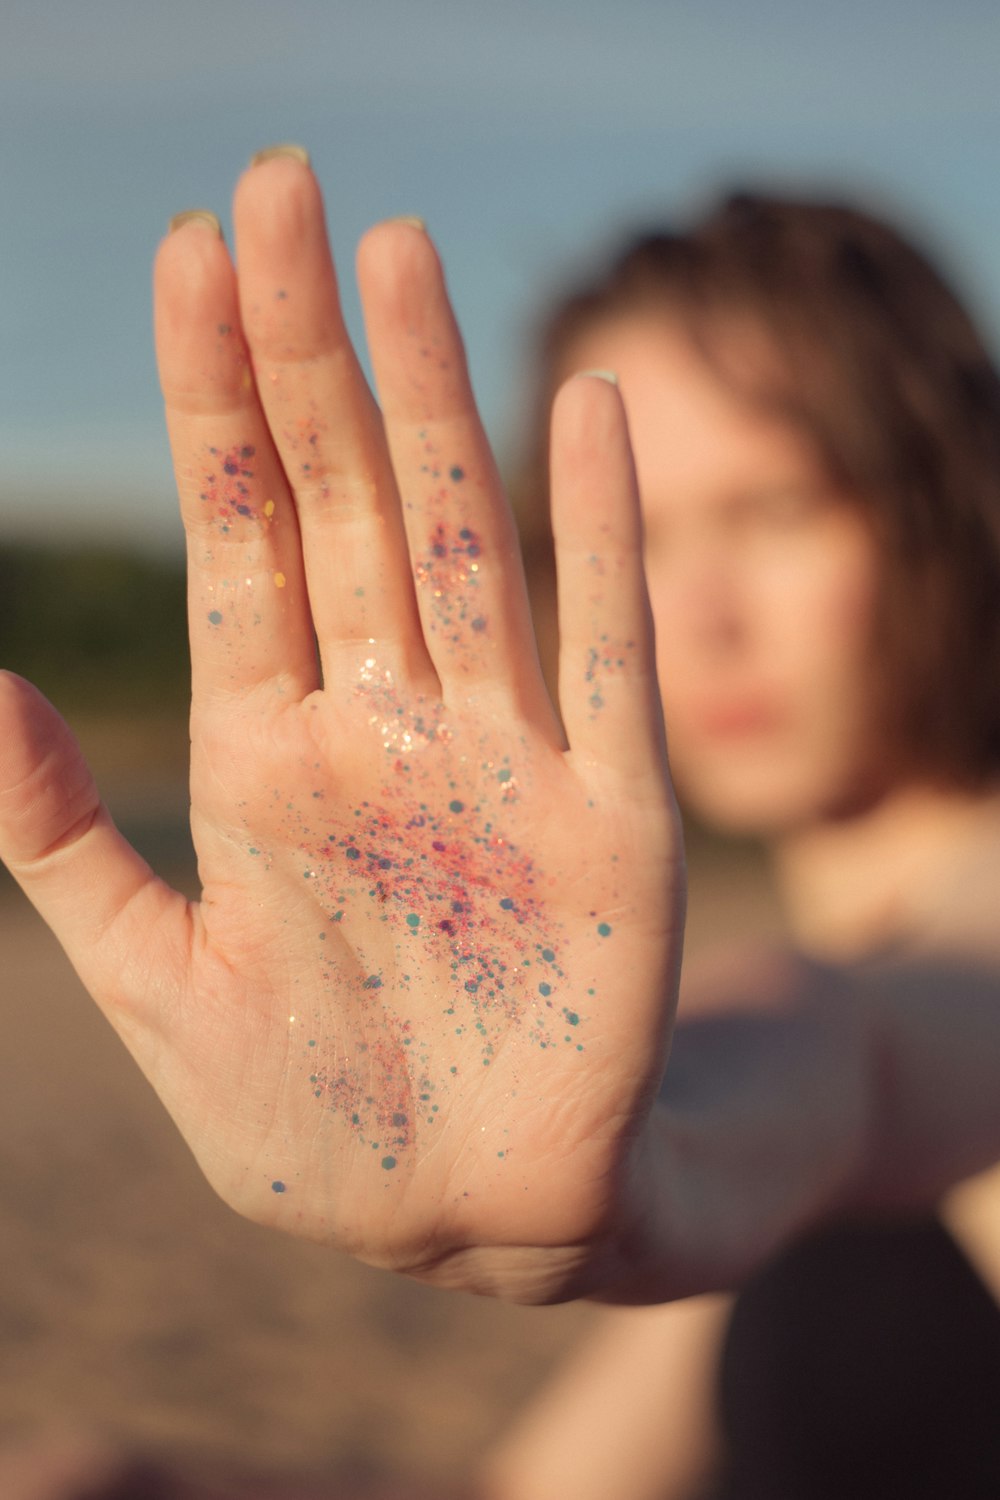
<point x="136" y="1307"/>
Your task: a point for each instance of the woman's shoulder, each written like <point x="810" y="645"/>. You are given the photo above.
<point x="748" y="977"/>
<point x="957" y="916"/>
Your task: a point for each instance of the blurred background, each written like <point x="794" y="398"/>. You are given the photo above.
<point x="135" y="1311"/>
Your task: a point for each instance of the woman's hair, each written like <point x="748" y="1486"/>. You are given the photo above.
<point x="868" y="351"/>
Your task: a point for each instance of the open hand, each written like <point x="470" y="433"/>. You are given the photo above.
<point x="422" y="1005"/>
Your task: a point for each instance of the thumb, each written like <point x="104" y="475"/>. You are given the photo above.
<point x="118" y="923"/>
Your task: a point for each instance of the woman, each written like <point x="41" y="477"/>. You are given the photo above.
<point x="816" y="429"/>
<point x="421" y="1011"/>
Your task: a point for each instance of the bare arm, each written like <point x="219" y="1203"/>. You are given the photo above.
<point x="630" y="1414"/>
<point x="855" y="1093"/>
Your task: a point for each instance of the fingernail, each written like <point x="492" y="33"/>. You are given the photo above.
<point x="196" y="216"/>
<point x="286" y="148"/>
<point x="608" y="375"/>
<point x="410" y="219"/>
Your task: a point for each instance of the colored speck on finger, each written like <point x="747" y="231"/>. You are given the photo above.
<point x="277" y="1187"/>
<point x="457" y="473"/>
<point x="215" y="617"/>
<point x="280" y="580"/>
<point x="604" y="929"/>
<point x="388" y="1162"/>
<point x="456" y="806"/>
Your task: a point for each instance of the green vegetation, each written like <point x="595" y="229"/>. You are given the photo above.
<point x="98" y="630"/>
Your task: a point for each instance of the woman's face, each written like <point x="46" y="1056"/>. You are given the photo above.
<point x="763" y="581"/>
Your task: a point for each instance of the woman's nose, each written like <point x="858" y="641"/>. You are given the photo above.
<point x="704" y="605"/>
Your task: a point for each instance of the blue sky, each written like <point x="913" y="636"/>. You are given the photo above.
<point x="525" y="133"/>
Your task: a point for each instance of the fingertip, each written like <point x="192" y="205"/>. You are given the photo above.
<point x="194" y="237"/>
<point x="20" y="702"/>
<point x="607" y="375"/>
<point x="598" y="385"/>
<point x="406" y="226"/>
<point x="200" y="216"/>
<point x="277" y="191"/>
<point x="44" y="780"/>
<point x="192" y="291"/>
<point x="588" y="413"/>
<point x="284" y="149"/>
<point x="60" y="844"/>
<point x="27" y="721"/>
<point x="193" y="246"/>
<point x="11" y="682"/>
<point x="392" y="247"/>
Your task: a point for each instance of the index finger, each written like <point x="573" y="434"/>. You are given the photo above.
<point x="249" y="612"/>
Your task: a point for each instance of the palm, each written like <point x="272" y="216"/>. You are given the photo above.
<point x="431" y="964"/>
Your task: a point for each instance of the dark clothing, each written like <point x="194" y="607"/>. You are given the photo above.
<point x="864" y="1362"/>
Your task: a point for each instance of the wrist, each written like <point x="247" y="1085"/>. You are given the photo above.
<point x="623" y="1258"/>
<point x="644" y="1260"/>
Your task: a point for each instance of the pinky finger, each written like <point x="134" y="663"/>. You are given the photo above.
<point x="608" y="692"/>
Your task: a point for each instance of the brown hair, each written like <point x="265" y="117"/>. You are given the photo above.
<point x="871" y="354"/>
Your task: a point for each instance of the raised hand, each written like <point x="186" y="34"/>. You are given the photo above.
<point x="421" y="1007"/>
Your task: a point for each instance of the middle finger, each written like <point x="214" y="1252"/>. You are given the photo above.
<point x="324" y="421"/>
